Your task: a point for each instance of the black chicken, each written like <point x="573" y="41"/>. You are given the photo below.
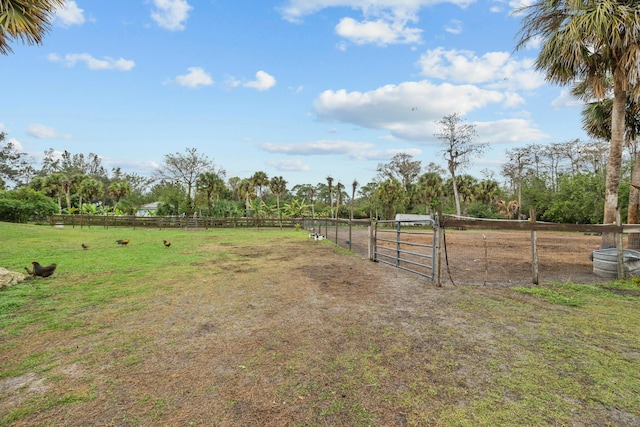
<point x="167" y="243"/>
<point x="41" y="271"/>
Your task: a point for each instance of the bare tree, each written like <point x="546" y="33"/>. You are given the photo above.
<point x="185" y="169"/>
<point x="519" y="160"/>
<point x="458" y="147"/>
<point x="401" y="167"/>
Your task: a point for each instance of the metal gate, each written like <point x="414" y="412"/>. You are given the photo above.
<point x="409" y="245"/>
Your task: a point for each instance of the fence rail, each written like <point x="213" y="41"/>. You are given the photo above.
<point x="168" y="222"/>
<point x="473" y="250"/>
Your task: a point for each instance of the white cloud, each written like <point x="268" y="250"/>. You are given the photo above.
<point x="171" y="14"/>
<point x="407" y="102"/>
<point x="499" y="69"/>
<point x="378" y="31"/>
<point x="106" y="63"/>
<point x="454" y="27"/>
<point x="566" y="100"/>
<point x="45" y="132"/>
<point x="518" y="4"/>
<point x="508" y="131"/>
<point x="142" y="167"/>
<point x="383" y="22"/>
<point x="315" y="148"/>
<point x="14" y="143"/>
<point x="293" y="165"/>
<point x="69" y="14"/>
<point x="295" y="10"/>
<point x="263" y="81"/>
<point x="194" y="78"/>
<point x="350" y="149"/>
<point x="408" y="111"/>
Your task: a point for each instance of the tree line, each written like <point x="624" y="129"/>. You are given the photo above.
<point x="564" y="182"/>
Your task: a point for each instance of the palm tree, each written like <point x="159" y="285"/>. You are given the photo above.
<point x="368" y="191"/>
<point x="211" y="184"/>
<point x="259" y="180"/>
<point x="27" y="21"/>
<point x="391" y="194"/>
<point x="246" y="190"/>
<point x="487" y="192"/>
<point x="90" y="188"/>
<point x="330" y="185"/>
<point x="119" y="190"/>
<point x="596" y="120"/>
<point x="56" y="184"/>
<point x="591" y="40"/>
<point x="311" y="192"/>
<point x="466" y="189"/>
<point x="339" y="195"/>
<point x="234" y="183"/>
<point x="430" y="188"/>
<point x="354" y="185"/>
<point x="278" y="186"/>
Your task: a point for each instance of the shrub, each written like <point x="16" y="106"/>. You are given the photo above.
<point x="25" y="204"/>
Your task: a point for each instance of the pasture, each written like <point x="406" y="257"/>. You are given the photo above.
<point x="237" y="327"/>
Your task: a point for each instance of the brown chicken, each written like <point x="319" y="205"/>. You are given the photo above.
<point x="167" y="243"/>
<point x="123" y="242"/>
<point x="41" y="271"/>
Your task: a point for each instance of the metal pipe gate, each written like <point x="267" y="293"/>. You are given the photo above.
<point x="409" y="245"/>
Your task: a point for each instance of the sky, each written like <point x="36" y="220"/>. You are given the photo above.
<point x="302" y="89"/>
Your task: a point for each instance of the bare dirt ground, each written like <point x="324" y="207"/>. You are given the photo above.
<point x="497" y="257"/>
<point x="300" y="335"/>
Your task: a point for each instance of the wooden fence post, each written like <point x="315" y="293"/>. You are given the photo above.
<point x="534" y="246"/>
<point x="619" y="247"/>
<point x="437" y="263"/>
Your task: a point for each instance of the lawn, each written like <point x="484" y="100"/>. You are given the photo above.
<point x="266" y="327"/>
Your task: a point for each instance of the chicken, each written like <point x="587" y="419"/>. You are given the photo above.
<point x="123" y="242"/>
<point x="167" y="244"/>
<point x="41" y="271"/>
<point x="85" y="247"/>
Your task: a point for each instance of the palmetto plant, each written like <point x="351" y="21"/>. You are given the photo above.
<point x="25" y="20"/>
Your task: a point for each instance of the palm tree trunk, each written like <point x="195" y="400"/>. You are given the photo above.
<point x="614" y="165"/>
<point x="633" y="216"/>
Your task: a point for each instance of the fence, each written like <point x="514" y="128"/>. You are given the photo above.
<point x="501" y="252"/>
<point x="352" y="235"/>
<point x="466" y="250"/>
<point x="168" y="222"/>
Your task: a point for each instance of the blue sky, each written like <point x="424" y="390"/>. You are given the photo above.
<point x="302" y="89"/>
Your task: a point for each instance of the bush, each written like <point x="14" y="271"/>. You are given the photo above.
<point x="25" y="204"/>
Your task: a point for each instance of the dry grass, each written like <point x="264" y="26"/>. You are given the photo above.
<point x="242" y="328"/>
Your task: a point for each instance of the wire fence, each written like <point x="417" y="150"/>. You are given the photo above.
<point x="351" y="235"/>
<point x="469" y="251"/>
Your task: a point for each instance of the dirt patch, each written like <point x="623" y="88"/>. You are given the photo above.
<point x="497" y="257"/>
